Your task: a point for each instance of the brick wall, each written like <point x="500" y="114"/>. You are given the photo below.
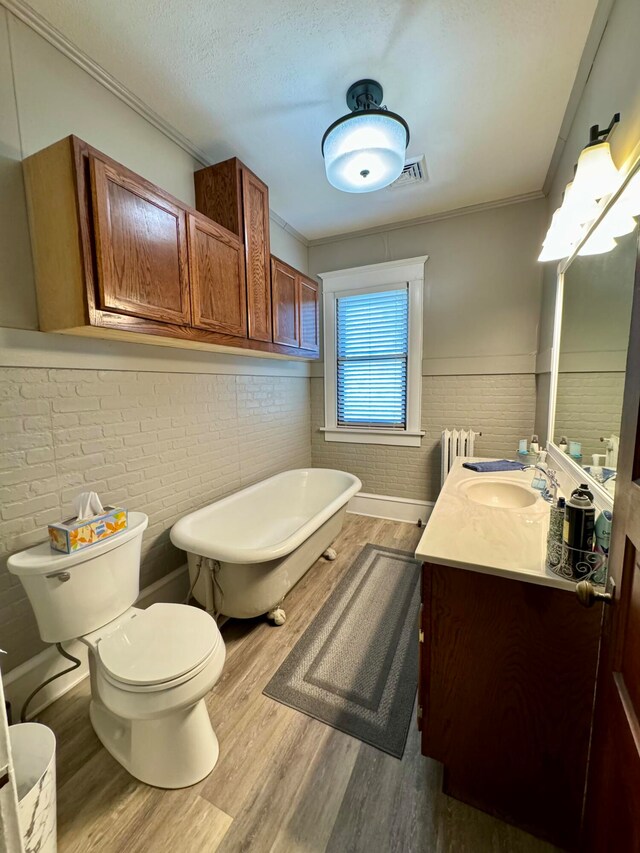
<point x="502" y="407"/>
<point x="589" y="405"/>
<point x="162" y="443"/>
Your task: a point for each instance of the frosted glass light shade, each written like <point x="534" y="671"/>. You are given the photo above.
<point x="598" y="243"/>
<point x="596" y="175"/>
<point x="579" y="210"/>
<point x="561" y="237"/>
<point x="365" y="151"/>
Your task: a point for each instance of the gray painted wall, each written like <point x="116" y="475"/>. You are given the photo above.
<point x="482" y="295"/>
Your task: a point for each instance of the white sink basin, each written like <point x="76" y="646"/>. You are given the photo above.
<point x="499" y="494"/>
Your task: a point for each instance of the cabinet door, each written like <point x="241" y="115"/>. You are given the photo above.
<point x="141" y="247"/>
<point x="285" y="300"/>
<point x="309" y="314"/>
<point x="255" y="202"/>
<point x="216" y="273"/>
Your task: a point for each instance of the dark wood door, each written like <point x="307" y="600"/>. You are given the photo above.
<point x="216" y="273"/>
<point x="255" y="203"/>
<point x="285" y="301"/>
<point x="309" y="314"/>
<point x="612" y="817"/>
<point x="141" y="247"/>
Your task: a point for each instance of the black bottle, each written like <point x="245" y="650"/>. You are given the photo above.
<point x="577" y="533"/>
<point x="583" y="489"/>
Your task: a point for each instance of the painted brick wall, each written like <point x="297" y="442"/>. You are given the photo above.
<point x="162" y="443"/>
<point x="502" y="407"/>
<point x="589" y="405"/>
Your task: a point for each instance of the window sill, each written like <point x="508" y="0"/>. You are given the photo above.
<point x="406" y="438"/>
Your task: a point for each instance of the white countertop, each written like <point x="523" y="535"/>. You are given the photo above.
<point x="508" y="543"/>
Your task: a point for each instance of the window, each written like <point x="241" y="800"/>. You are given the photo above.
<point x="372" y="350"/>
<point x="373" y="353"/>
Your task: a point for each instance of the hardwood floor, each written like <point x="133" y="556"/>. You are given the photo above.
<point x="284" y="782"/>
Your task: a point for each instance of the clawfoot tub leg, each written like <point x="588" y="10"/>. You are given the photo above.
<point x="277" y="615"/>
<point x="330" y="554"/>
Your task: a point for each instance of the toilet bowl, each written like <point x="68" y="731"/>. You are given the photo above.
<point x="150" y="669"/>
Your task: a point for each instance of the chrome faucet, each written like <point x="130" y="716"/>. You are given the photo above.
<point x="550" y="491"/>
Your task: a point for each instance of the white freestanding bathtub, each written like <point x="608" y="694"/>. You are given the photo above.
<point x="247" y="551"/>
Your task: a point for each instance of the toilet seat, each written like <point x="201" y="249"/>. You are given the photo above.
<point x="160" y="647"/>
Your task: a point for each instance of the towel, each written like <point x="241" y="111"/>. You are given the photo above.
<point x="491" y="467"/>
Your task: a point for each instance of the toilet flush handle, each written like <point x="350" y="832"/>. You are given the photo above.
<point x="61" y="576"/>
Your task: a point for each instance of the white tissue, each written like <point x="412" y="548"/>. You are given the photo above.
<point x="86" y="505"/>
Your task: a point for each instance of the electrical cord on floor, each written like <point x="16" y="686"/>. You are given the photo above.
<point x="65" y="654"/>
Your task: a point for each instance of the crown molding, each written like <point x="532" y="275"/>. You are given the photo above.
<point x="432" y="217"/>
<point x="288" y="228"/>
<point x="23" y="12"/>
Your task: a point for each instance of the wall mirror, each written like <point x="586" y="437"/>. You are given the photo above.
<point x="593" y="315"/>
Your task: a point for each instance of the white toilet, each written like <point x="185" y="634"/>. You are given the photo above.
<point x="150" y="669"/>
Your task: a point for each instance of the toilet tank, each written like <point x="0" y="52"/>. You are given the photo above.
<point x="73" y="594"/>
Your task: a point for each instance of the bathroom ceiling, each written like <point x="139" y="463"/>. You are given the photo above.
<point x="483" y="85"/>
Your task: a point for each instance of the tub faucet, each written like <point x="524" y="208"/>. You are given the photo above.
<point x="550" y="491"/>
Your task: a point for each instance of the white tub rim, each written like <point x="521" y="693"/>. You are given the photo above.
<point x="183" y="538"/>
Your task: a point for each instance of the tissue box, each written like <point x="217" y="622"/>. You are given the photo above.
<point x="73" y="535"/>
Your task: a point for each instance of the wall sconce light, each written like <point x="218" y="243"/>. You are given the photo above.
<point x="595" y="179"/>
<point x="364" y="150"/>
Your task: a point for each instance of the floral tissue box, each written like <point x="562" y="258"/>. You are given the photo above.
<point x="73" y="535"/>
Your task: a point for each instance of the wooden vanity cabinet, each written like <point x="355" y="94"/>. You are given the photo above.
<point x="231" y="194"/>
<point x="506" y="689"/>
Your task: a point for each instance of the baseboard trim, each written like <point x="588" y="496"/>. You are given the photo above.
<point x="389" y="507"/>
<point x="19" y="682"/>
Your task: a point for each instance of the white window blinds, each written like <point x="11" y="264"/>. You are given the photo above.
<point x="372" y="350"/>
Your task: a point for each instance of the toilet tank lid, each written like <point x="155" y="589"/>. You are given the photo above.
<point x="42" y="559"/>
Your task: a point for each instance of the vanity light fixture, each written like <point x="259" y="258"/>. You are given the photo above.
<point x="596" y="175"/>
<point x="364" y="150"/>
<point x="595" y="179"/>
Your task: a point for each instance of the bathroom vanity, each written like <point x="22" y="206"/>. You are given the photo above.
<point x="507" y="657"/>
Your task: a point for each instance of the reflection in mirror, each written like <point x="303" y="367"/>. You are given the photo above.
<point x="596" y="314"/>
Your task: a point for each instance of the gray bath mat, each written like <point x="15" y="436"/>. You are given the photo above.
<point x="356" y="666"/>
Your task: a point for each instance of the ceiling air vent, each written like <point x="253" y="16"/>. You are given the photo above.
<point x="414" y="172"/>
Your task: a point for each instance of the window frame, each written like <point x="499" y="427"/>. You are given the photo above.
<point x="371" y="279"/>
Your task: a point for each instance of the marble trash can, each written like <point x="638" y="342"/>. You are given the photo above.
<point x="33" y="749"/>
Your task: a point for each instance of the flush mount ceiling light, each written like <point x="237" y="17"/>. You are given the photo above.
<point x="364" y="150"/>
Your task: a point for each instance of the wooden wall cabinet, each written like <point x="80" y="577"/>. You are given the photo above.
<point x="285" y="296"/>
<point x="506" y="687"/>
<point x="117" y="257"/>
<point x="230" y="193"/>
<point x="309" y="298"/>
<point x="141" y="247"/>
<point x="216" y="269"/>
<point x="296" y="319"/>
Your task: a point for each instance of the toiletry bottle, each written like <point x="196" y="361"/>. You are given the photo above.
<point x="535" y="446"/>
<point x="564" y="444"/>
<point x="554" y="537"/>
<point x="583" y="489"/>
<point x="577" y="534"/>
<point x="596" y="468"/>
<point x="603" y="532"/>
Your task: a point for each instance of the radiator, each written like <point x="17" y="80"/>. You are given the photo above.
<point x="456" y="442"/>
